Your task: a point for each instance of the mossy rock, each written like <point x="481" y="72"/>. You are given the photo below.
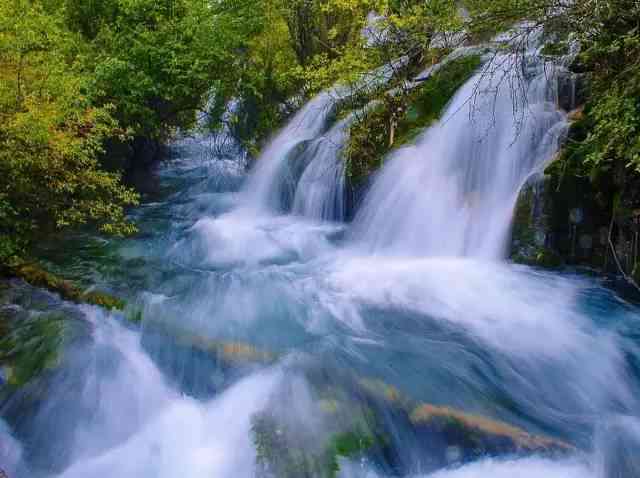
<point x="388" y="420"/>
<point x="370" y="135"/>
<point x="481" y="435"/>
<point x="225" y="352"/>
<point x="31" y="344"/>
<point x="530" y="229"/>
<point x="383" y="391"/>
<point x="103" y="300"/>
<point x="280" y="455"/>
<point x="443" y="428"/>
<point x="36" y="276"/>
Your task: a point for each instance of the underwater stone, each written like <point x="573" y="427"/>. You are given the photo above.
<point x="474" y="435"/>
<point x="36" y="276"/>
<point x="443" y="430"/>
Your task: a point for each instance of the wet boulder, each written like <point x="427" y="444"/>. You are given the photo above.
<point x="463" y="437"/>
<point x="441" y="436"/>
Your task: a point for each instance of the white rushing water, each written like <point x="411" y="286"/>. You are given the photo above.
<point x="272" y="174"/>
<point x="453" y="192"/>
<point x="523" y="468"/>
<point x="320" y="191"/>
<point x="188" y="438"/>
<point x="10" y="450"/>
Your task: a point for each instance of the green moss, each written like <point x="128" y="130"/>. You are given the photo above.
<point x="542" y="257"/>
<point x="548" y="258"/>
<point x="103" y="300"/>
<point x="33" y="274"/>
<point x="360" y="97"/>
<point x="347" y="445"/>
<point x="526" y="248"/>
<point x="30" y="345"/>
<point x="135" y="316"/>
<point x="279" y="455"/>
<point x="370" y="135"/>
<point x="428" y="101"/>
<point x="368" y="143"/>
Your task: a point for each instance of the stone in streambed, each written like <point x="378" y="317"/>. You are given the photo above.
<point x="475" y="435"/>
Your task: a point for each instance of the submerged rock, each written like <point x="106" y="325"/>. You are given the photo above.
<point x="36" y="276"/>
<point x="201" y="366"/>
<point x="32" y="335"/>
<point x="446" y="435"/>
<point x="405" y="430"/>
<point x="479" y="435"/>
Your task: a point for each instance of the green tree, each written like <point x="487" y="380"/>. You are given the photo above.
<point x="50" y="135"/>
<point x="154" y="60"/>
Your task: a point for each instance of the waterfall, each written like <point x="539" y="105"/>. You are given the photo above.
<point x="266" y="184"/>
<point x="320" y="191"/>
<point x="453" y="192"/>
<point x="302" y="141"/>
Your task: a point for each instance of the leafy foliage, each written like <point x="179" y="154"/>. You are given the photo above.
<point x="50" y="135"/>
<point x="608" y="33"/>
<point x="154" y="61"/>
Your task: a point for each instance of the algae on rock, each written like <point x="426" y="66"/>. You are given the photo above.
<point x="530" y="229"/>
<point x="36" y="276"/>
<point x="278" y="455"/>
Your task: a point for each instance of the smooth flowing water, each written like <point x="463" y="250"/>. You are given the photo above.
<point x="463" y="176"/>
<point x="278" y="341"/>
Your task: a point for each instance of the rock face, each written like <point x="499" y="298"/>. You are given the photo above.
<point x="563" y="216"/>
<point x="567" y="216"/>
<point x="562" y="219"/>
<point x="531" y="238"/>
<point x="572" y="90"/>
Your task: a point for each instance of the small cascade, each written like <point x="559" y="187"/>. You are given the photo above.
<point x="272" y="183"/>
<point x="453" y="192"/>
<point x="320" y="190"/>
<point x="266" y="184"/>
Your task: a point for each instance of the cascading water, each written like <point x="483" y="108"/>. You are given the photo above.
<point x="320" y="191"/>
<point x="271" y="175"/>
<point x="453" y="192"/>
<point x="270" y="347"/>
<point x="273" y="178"/>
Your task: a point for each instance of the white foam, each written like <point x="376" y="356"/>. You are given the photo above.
<point x="507" y="307"/>
<point x="523" y="468"/>
<point x="243" y="238"/>
<point x="10" y="450"/>
<point x="190" y="439"/>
